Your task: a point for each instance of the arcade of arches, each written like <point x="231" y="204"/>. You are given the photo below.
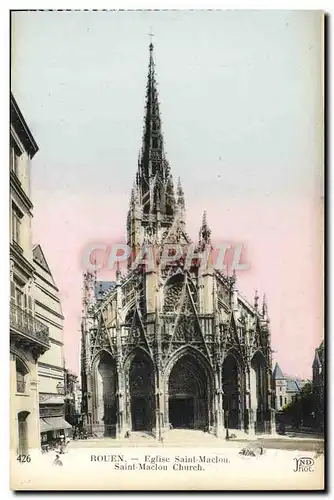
<point x="187" y="397"/>
<point x="142" y="393"/>
<point x="105" y="394"/>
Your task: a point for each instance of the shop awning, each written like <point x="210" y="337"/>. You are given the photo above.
<point x="54" y="424"/>
<point x="45" y="426"/>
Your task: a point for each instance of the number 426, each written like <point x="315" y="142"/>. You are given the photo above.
<point x="24" y="458"/>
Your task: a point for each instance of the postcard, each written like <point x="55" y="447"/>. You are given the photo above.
<point x="166" y="250"/>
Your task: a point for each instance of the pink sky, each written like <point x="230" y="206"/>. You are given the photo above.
<point x="283" y="252"/>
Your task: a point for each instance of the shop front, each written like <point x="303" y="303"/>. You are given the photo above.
<point x="53" y="426"/>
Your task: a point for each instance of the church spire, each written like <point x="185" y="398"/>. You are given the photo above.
<point x="152" y="139"/>
<point x="152" y="164"/>
<point x="153" y="202"/>
<point x="205" y="231"/>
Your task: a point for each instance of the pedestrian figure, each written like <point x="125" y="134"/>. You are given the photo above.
<point x="252" y="451"/>
<point x="57" y="461"/>
<point x="127" y="435"/>
<point x="62" y="447"/>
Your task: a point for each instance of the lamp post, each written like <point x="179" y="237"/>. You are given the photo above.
<point x="227" y="436"/>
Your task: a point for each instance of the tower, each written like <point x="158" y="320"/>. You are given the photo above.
<point x="152" y="205"/>
<point x="280" y="387"/>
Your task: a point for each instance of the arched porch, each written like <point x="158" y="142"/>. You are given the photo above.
<point x="105" y="400"/>
<point x="188" y="391"/>
<point x="140" y="391"/>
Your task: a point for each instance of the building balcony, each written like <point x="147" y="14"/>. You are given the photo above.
<point x="27" y="332"/>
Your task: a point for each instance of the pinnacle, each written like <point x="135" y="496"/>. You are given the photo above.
<point x="205" y="231"/>
<point x="256" y="299"/>
<point x="264" y="307"/>
<point x="204" y="220"/>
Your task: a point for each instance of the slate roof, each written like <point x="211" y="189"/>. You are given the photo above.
<point x="292" y="384"/>
<point x="278" y="374"/>
<point x="295" y="385"/>
<point x="21" y="127"/>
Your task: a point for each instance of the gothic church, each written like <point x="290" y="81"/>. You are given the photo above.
<point x="171" y="347"/>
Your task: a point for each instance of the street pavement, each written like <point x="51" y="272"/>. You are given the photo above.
<point x="189" y="438"/>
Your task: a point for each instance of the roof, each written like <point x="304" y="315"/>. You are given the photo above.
<point x="102" y="287"/>
<point x="278" y="374"/>
<point x="319" y="356"/>
<point x="40" y="260"/>
<point x="21" y="128"/>
<point x="295" y="384"/>
<point x="39" y="257"/>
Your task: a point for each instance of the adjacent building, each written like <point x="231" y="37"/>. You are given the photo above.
<point x="72" y="398"/>
<point x="29" y="337"/>
<point x="174" y="345"/>
<point x="285" y="388"/>
<point x="51" y="364"/>
<point x="318" y="383"/>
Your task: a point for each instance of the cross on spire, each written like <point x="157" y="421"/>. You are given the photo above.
<point x="151" y="35"/>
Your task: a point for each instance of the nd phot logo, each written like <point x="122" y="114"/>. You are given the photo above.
<point x="304" y="464"/>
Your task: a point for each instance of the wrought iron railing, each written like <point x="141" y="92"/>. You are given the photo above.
<point x="28" y="324"/>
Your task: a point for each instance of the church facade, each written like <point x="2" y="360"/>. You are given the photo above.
<point x="171" y="345"/>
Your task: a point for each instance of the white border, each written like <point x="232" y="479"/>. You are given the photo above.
<point x="327" y="6"/>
